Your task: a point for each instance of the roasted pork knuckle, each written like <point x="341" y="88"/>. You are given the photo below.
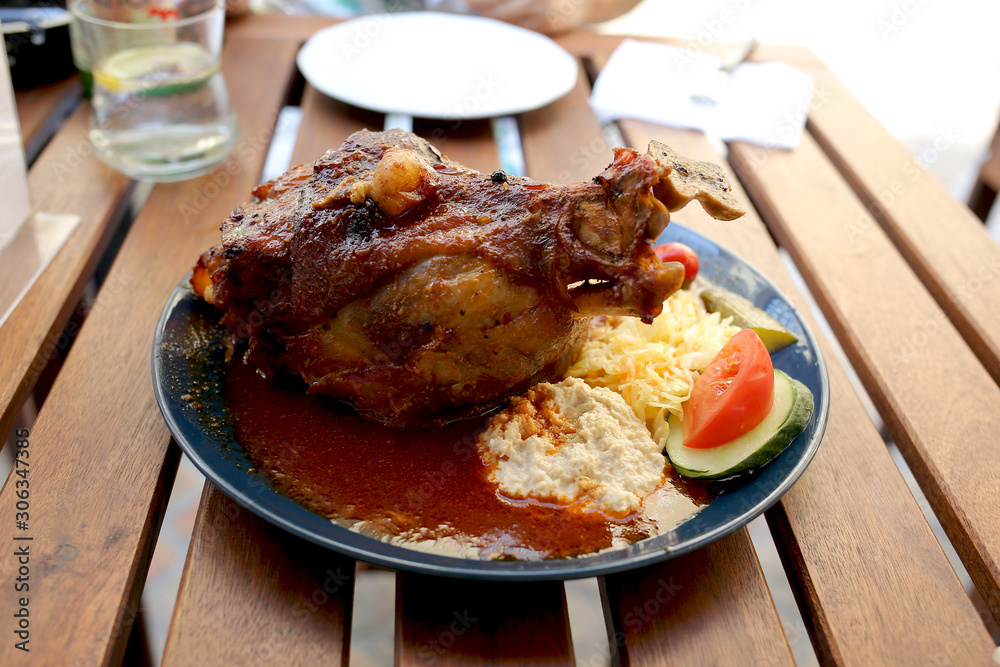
<point x="422" y="291"/>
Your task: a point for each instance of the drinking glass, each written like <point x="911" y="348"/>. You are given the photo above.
<point x="160" y="105"/>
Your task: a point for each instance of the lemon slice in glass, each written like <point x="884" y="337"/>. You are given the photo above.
<point x="164" y="69"/>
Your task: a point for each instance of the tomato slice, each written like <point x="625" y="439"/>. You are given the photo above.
<point x="732" y="396"/>
<point x="679" y="252"/>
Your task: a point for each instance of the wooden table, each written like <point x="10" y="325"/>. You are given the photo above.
<point x="905" y="276"/>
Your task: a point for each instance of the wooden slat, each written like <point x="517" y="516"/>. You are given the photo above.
<point x="102" y="464"/>
<point x="562" y="141"/>
<point x="259" y="595"/>
<point x="326" y="123"/>
<point x="940" y="404"/>
<point x="41" y="110"/>
<point x="942" y="240"/>
<point x="277" y="26"/>
<point x="469" y="142"/>
<point x="66" y="178"/>
<point x="213" y="579"/>
<point x="705" y="608"/>
<point x="827" y="527"/>
<point x="454" y="622"/>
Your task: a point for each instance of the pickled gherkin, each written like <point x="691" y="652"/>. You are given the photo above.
<point x="748" y="316"/>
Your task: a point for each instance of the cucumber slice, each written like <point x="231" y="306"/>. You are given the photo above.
<point x="748" y="316"/>
<point x="793" y="406"/>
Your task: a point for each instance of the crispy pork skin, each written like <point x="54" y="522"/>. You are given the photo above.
<point x="422" y="291"/>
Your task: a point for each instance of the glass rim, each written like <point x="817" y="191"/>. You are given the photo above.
<point x="78" y="14"/>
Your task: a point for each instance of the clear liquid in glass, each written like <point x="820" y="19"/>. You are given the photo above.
<point x="162" y="111"/>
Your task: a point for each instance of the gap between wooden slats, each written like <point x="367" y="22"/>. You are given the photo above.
<point x="253" y="594"/>
<point x="940" y="404"/>
<point x="945" y="244"/>
<point x="100" y="494"/>
<point x="458" y="622"/>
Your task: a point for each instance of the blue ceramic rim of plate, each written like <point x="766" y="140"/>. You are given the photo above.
<point x="288" y="515"/>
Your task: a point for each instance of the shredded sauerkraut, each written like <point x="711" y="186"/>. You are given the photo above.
<point x="653" y="366"/>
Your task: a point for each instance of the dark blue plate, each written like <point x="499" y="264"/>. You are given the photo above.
<point x="188" y="373"/>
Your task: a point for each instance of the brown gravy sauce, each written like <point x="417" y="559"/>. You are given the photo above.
<point x="420" y="488"/>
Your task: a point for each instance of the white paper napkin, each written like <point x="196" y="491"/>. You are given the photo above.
<point x="762" y="103"/>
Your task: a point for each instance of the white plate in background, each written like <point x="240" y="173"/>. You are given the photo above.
<point x="434" y="65"/>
